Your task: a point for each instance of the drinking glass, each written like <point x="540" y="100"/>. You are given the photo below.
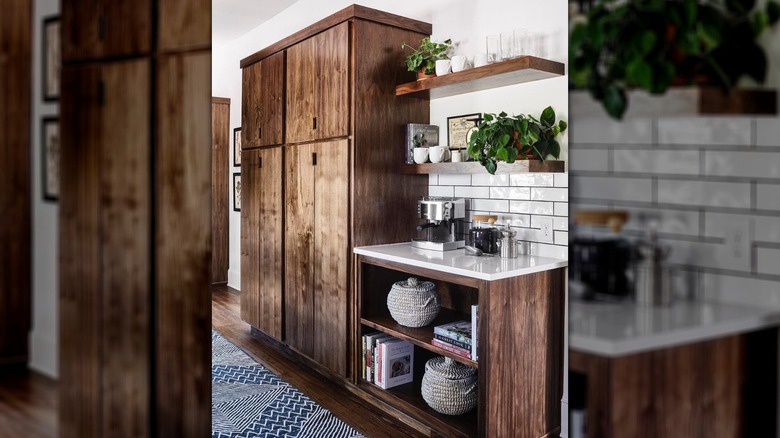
<point x="493" y="48"/>
<point x="521" y="42"/>
<point x="507" y="46"/>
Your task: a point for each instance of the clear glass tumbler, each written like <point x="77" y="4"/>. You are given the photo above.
<point x="507" y="46"/>
<point x="493" y="43"/>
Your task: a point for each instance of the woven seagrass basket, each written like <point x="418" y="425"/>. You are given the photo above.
<point x="412" y="303"/>
<point x="449" y="387"/>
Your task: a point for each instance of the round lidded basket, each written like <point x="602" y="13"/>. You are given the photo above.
<point x="449" y="387"/>
<point x="413" y="303"/>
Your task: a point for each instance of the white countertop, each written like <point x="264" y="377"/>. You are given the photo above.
<point x="458" y="262"/>
<point x="618" y="329"/>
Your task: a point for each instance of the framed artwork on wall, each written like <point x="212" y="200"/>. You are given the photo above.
<point x="237" y="147"/>
<point x="50" y="157"/>
<point x="236" y="192"/>
<point x="51" y="59"/>
<point x="458" y="128"/>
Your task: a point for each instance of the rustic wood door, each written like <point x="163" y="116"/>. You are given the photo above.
<point x="95" y="29"/>
<point x="262" y="106"/>
<point x="262" y="251"/>
<point x="220" y="152"/>
<point x="318" y="86"/>
<point x="183" y="24"/>
<point x="316" y="251"/>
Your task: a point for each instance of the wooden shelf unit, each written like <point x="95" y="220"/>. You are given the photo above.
<point x="499" y="74"/>
<point x="520" y="166"/>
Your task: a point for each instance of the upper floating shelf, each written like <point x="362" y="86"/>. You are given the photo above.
<point x="519" y="166"/>
<point x="499" y="74"/>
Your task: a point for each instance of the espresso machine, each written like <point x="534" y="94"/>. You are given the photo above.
<point x="438" y="233"/>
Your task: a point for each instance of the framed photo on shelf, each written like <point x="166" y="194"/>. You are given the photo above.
<point x="236" y="192"/>
<point x="237" y="147"/>
<point x="50" y="157"/>
<point x="51" y="59"/>
<point x="458" y="128"/>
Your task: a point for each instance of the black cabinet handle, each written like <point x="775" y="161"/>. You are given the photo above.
<point x="314" y="158"/>
<point x="315" y="123"/>
<point x="260" y="162"/>
<point x="259" y="132"/>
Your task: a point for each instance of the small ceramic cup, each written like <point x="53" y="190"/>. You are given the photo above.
<point x="436" y="154"/>
<point x="480" y="59"/>
<point x="420" y="155"/>
<point x="442" y="67"/>
<point x="456" y="156"/>
<point x="458" y="63"/>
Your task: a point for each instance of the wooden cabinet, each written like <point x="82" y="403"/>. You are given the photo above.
<point x="316" y="251"/>
<point x="220" y="152"/>
<point x="96" y="29"/>
<point x="262" y="252"/>
<point x="184" y="24"/>
<point x="317" y="86"/>
<point x="262" y="102"/>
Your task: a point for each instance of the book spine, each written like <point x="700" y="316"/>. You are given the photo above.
<point x="455" y="342"/>
<point x="384" y="366"/>
<point x="452" y="349"/>
<point x="475" y="338"/>
<point x="363" y="356"/>
<point x="451" y="335"/>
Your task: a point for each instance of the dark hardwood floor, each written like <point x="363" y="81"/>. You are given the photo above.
<point x="344" y="404"/>
<point x="28" y="404"/>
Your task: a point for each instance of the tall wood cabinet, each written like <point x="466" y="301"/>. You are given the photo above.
<point x="220" y="152"/>
<point x="342" y="134"/>
<point x="135" y="232"/>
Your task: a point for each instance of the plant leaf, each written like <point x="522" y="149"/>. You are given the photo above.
<point x="490" y="166"/>
<point x="615" y="101"/>
<point x="548" y="117"/>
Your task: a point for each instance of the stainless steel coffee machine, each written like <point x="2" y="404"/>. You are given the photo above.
<point x="439" y="232"/>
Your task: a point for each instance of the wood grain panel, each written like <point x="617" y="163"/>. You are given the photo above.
<point x="80" y="329"/>
<point x="15" y="98"/>
<point x="299" y="301"/>
<point x="183" y="24"/>
<point x="250" y="109"/>
<point x="80" y="28"/>
<point x="271" y="250"/>
<point x="332" y="84"/>
<point x="331" y="255"/>
<point x="220" y="224"/>
<point x="262" y="110"/>
<point x="521" y="323"/>
<point x="183" y="246"/>
<point x="251" y="191"/>
<point x="124" y="244"/>
<point x="95" y="29"/>
<point x="379" y="131"/>
<point x="301" y="91"/>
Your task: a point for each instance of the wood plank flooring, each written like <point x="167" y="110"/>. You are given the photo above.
<point x="28" y="404"/>
<point x="345" y="405"/>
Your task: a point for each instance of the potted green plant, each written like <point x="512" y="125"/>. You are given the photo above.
<point x="422" y="59"/>
<point x="654" y="44"/>
<point x="499" y="137"/>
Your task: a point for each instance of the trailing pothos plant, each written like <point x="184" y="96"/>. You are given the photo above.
<point x="424" y="57"/>
<point x="499" y="137"/>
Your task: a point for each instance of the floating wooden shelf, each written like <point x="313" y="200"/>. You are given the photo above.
<point x="499" y="74"/>
<point x="520" y="166"/>
<point x="681" y="101"/>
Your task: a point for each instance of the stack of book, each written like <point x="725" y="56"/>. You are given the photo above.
<point x="458" y="337"/>
<point x="387" y="361"/>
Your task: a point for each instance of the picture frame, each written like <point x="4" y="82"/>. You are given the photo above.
<point x="458" y="128"/>
<point x="237" y="147"/>
<point x="237" y="191"/>
<point x="51" y="58"/>
<point x="50" y="158"/>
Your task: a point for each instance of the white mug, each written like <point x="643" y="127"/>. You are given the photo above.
<point x="480" y="59"/>
<point x="420" y="155"/>
<point x="456" y="156"/>
<point x="458" y="63"/>
<point x="436" y="154"/>
<point x="442" y="67"/>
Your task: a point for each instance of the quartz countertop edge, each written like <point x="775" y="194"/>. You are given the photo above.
<point x="616" y="337"/>
<point x="459" y="263"/>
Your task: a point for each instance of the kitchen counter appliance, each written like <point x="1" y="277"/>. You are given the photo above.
<point x="441" y="213"/>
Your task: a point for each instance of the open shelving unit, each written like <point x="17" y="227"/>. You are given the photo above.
<point x="519" y="166"/>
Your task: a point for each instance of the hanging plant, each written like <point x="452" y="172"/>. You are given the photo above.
<point x="423" y="58"/>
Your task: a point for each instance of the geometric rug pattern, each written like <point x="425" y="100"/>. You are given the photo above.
<point x="248" y="400"/>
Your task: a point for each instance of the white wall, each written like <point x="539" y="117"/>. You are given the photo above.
<point x="44" y="335"/>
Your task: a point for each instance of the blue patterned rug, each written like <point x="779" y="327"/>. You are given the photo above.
<point x="248" y="400"/>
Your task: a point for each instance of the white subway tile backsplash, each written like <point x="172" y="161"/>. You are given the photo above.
<point x="455" y="180"/>
<point x="742" y="164"/>
<point x="486" y="179"/>
<point x="561" y="209"/>
<point x="523" y="193"/>
<point x="493" y="205"/>
<point x="561" y="238"/>
<point x="534" y="235"/>
<point x="545" y="194"/>
<point x="768" y="261"/>
<point x="768" y="131"/>
<point x="704" y="193"/>
<point x="705" y="131"/>
<point x="515" y="220"/>
<point x="441" y="191"/>
<point x="767" y="228"/>
<point x="561" y="223"/>
<point x="472" y="192"/>
<point x="709" y="255"/>
<point x="596" y="160"/>
<point x="544" y="223"/>
<point x="561" y="179"/>
<point x="768" y="196"/>
<point x="619" y="189"/>
<point x="728" y="226"/>
<point x="666" y="221"/>
<point x="531" y="179"/>
<point x="433" y="179"/>
<point x="605" y="131"/>
<point x="531" y="207"/>
<point x="683" y="162"/>
<point x="740" y="290"/>
<point x="552" y="251"/>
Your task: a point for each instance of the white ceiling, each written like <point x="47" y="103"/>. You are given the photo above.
<point x="231" y="19"/>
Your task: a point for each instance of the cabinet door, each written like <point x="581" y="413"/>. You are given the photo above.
<point x="95" y="29"/>
<point x="316" y="252"/>
<point x="261" y="240"/>
<point x="220" y="152"/>
<point x="183" y="24"/>
<point x="262" y="104"/>
<point x="317" y="86"/>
